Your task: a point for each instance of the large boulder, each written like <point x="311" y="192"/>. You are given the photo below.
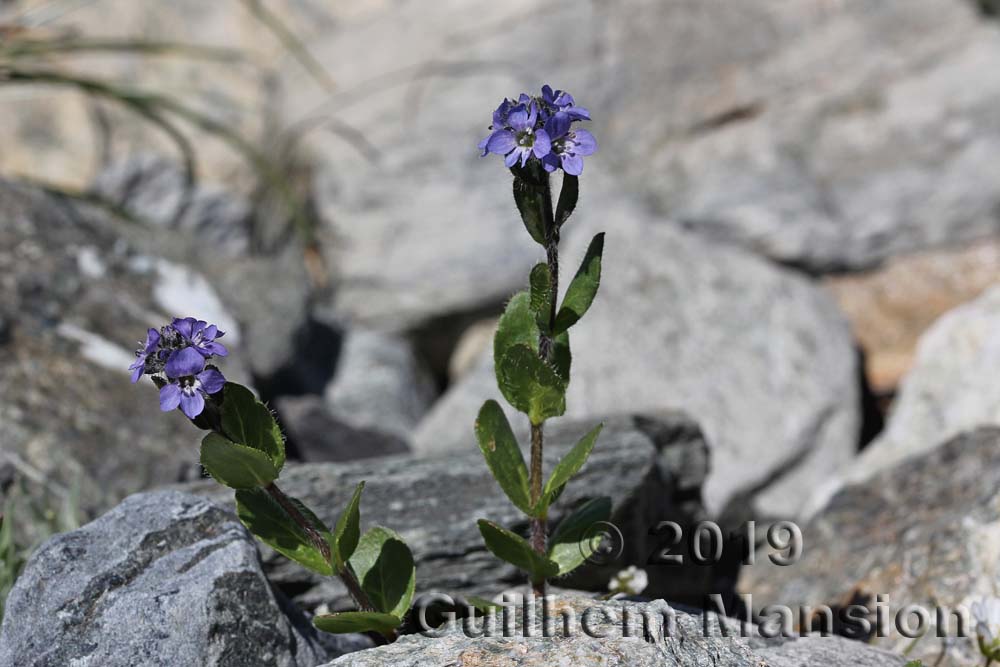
<point x="612" y="634"/>
<point x="760" y="356"/>
<point x="652" y="467"/>
<point x="811" y="134"/>
<point x="924" y="532"/>
<point x="77" y="290"/>
<point x="951" y="387"/>
<point x="821" y="134"/>
<point x="165" y="579"/>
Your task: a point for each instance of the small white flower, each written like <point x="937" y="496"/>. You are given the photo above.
<point x="987" y="614"/>
<point x="630" y="581"/>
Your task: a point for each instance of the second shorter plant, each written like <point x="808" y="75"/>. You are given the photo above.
<point x="245" y="450"/>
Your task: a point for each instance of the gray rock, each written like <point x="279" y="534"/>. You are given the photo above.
<point x="379" y="384"/>
<point x="316" y="434"/>
<point x="76" y="293"/>
<point x="165" y="578"/>
<point x="613" y="634"/>
<point x="759" y="356"/>
<point x="950" y="388"/>
<point x="810" y="651"/>
<point x="824" y="137"/>
<point x="434" y="504"/>
<point x="595" y="637"/>
<point x="379" y="391"/>
<point x="153" y="188"/>
<point x="924" y="533"/>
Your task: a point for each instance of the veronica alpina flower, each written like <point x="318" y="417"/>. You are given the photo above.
<point x="540" y="128"/>
<point x="560" y="102"/>
<point x="179" y="351"/>
<point x="189" y="382"/>
<point x="986" y="613"/>
<point x="568" y="146"/>
<point x="201" y="335"/>
<point x="520" y="139"/>
<point x="630" y="581"/>
<point x="149" y="349"/>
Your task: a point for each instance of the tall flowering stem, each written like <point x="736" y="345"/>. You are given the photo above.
<point x="539" y="526"/>
<point x="536" y="137"/>
<point x="245" y="450"/>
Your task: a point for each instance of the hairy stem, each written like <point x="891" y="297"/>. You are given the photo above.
<point x="347" y="574"/>
<point x="552" y="259"/>
<point x="538" y="527"/>
<point x="538" y="524"/>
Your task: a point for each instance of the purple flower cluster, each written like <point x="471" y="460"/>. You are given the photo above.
<point x="178" y="354"/>
<point x="541" y="128"/>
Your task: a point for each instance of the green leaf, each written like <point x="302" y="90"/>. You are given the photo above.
<point x="236" y="466"/>
<point x="582" y="290"/>
<point x="561" y="357"/>
<point x="348" y="530"/>
<point x="503" y="455"/>
<point x="357" y="621"/>
<point x="568" y="466"/>
<point x="266" y="519"/>
<point x="541" y="296"/>
<point x="530" y="385"/>
<point x="384" y="566"/>
<point x="517" y="326"/>
<point x="568" y="197"/>
<point x="514" y="549"/>
<point x="570" y="545"/>
<point x="547" y="500"/>
<point x="248" y="422"/>
<point x="531" y="203"/>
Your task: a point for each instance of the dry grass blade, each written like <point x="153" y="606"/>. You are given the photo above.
<point x="154" y="108"/>
<point x="20" y="48"/>
<point x="145" y="105"/>
<point x="291" y="42"/>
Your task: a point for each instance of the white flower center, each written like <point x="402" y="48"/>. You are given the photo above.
<point x="190" y="386"/>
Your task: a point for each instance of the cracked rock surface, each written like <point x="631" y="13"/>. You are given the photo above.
<point x="166" y="579"/>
